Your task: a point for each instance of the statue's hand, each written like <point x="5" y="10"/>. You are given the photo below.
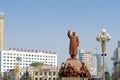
<point x="68" y="30"/>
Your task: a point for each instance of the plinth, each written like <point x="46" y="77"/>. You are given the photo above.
<point x="74" y="63"/>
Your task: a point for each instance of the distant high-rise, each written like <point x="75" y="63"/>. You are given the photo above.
<point x="117" y="52"/>
<point x="94" y="66"/>
<point x="116" y="63"/>
<point x="1" y="31"/>
<point x="118" y="43"/>
<point x="86" y="57"/>
<point x="98" y="56"/>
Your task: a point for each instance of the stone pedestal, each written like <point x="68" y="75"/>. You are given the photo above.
<point x="74" y="62"/>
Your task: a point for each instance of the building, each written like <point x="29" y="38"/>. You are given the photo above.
<point x="98" y="57"/>
<point x="116" y="62"/>
<point x="116" y="53"/>
<point x="94" y="66"/>
<point x="44" y="72"/>
<point x="1" y="31"/>
<point x="24" y="58"/>
<point x="86" y="57"/>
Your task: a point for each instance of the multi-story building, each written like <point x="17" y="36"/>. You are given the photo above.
<point x="116" y="62"/>
<point x="86" y="57"/>
<point x="1" y="31"/>
<point x="98" y="56"/>
<point x="94" y="66"/>
<point x="24" y="58"/>
<point x="117" y="52"/>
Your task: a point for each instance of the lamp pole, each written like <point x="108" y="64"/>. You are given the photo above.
<point x="103" y="37"/>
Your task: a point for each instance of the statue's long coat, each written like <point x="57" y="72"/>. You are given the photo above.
<point x="74" y="43"/>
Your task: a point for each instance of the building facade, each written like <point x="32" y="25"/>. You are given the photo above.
<point x="1" y="31"/>
<point x="116" y="62"/>
<point x="86" y="57"/>
<point x="98" y="57"/>
<point x="24" y="58"/>
<point x="94" y="66"/>
<point x="44" y="72"/>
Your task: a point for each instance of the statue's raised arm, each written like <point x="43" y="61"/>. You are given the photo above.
<point x="68" y="33"/>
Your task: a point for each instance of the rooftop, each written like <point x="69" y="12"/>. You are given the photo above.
<point x="1" y="15"/>
<point x="31" y="51"/>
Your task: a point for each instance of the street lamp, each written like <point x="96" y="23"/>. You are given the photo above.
<point x="103" y="37"/>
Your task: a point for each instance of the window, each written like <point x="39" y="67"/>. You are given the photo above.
<point x="54" y="73"/>
<point x="20" y="73"/>
<point x="49" y="73"/>
<point x="36" y="73"/>
<point x="53" y="78"/>
<point x="36" y="78"/>
<point x="45" y="73"/>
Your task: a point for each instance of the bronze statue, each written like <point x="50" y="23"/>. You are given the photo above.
<point x="74" y="43"/>
<point x="69" y="69"/>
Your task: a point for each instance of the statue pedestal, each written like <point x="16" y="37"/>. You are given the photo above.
<point x="72" y="78"/>
<point x="74" y="62"/>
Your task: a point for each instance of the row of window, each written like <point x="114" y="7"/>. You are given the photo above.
<point x="5" y="63"/>
<point x="45" y="79"/>
<point x="45" y="73"/>
<point x="30" y="61"/>
<point x="29" y="55"/>
<point x="14" y="58"/>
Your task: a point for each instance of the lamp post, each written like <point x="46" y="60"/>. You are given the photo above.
<point x="103" y="37"/>
<point x="18" y="60"/>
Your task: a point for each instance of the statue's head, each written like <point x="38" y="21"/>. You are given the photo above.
<point x="74" y="33"/>
<point x="83" y="64"/>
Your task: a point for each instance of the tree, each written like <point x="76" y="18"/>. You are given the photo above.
<point x="16" y="70"/>
<point x="26" y="76"/>
<point x="107" y="76"/>
<point x="36" y="64"/>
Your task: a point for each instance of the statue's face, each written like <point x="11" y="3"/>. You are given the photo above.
<point x="74" y="33"/>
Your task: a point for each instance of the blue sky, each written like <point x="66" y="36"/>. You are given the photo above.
<point x="43" y="24"/>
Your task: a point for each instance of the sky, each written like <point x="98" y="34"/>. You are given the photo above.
<point x="43" y="24"/>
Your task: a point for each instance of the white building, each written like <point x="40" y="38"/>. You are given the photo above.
<point x="8" y="59"/>
<point x="86" y="57"/>
<point x="94" y="66"/>
<point x="98" y="56"/>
